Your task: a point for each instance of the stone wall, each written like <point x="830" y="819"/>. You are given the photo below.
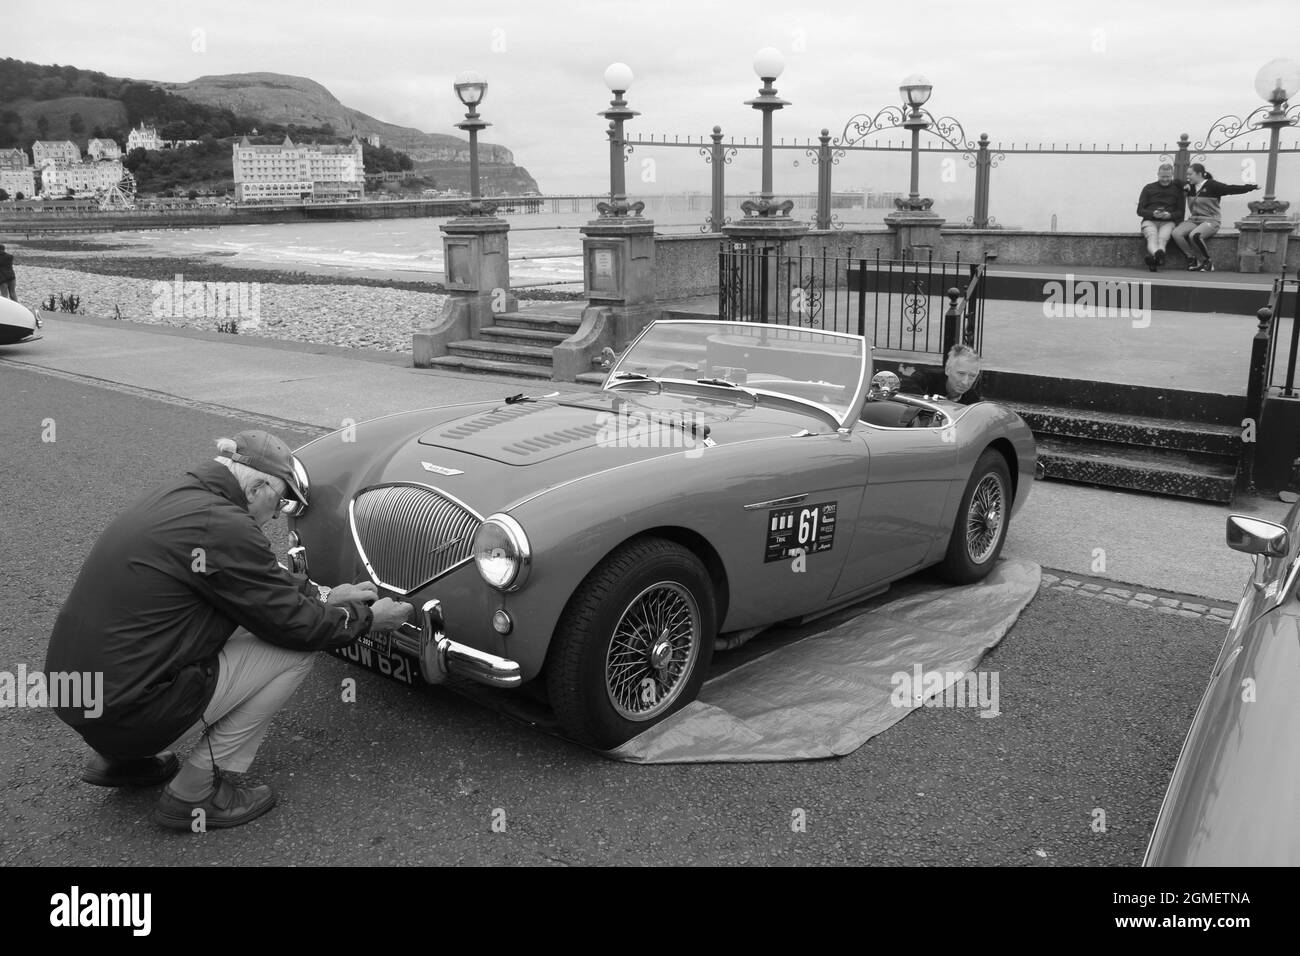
<point x="686" y="266"/>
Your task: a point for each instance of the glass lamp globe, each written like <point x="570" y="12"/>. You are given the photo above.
<point x="769" y="63"/>
<point x="471" y="87"/>
<point x="1283" y="74"/>
<point x="916" y="90"/>
<point x="618" y="77"/>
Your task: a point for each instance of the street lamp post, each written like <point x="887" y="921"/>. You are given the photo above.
<point x="1276" y="82"/>
<point x="618" y="77"/>
<point x="916" y="92"/>
<point x="768" y="64"/>
<point x="471" y="88"/>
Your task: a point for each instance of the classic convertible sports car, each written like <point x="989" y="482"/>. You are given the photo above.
<point x="727" y="477"/>
<point x="1234" y="797"/>
<point x="18" y="323"/>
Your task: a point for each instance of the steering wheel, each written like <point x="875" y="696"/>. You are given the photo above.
<point x="678" y="370"/>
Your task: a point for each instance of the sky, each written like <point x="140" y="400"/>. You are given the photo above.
<point x="1102" y="71"/>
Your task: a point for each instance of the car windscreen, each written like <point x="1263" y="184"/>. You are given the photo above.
<point x="822" y="368"/>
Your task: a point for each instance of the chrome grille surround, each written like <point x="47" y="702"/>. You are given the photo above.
<point x="409" y="534"/>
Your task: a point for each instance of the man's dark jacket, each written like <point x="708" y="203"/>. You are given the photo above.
<point x="162" y="590"/>
<point x="1155" y="196"/>
<point x="929" y="382"/>
<point x="6" y="267"/>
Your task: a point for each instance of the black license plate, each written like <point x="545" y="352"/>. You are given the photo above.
<point x="384" y="661"/>
<point x="380" y="641"/>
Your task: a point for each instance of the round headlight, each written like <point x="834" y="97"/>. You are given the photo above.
<point x="501" y="552"/>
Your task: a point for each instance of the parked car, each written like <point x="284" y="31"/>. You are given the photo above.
<point x="726" y="477"/>
<point x="18" y="324"/>
<point x="1234" y="797"/>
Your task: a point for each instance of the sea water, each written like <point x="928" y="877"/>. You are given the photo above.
<point x="545" y="248"/>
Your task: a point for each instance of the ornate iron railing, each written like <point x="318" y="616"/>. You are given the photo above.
<point x="897" y="304"/>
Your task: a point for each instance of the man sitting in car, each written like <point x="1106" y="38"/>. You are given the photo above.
<point x="183" y="608"/>
<point x="956" y="382"/>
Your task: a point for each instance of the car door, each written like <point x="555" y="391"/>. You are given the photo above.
<point x="787" y="526"/>
<point x="1232" y="796"/>
<point x="911" y="473"/>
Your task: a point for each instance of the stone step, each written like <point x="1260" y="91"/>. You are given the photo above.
<point x="539" y="323"/>
<point x="490" y="367"/>
<point x="517" y="336"/>
<point x="1158" y="470"/>
<point x="1049" y="421"/>
<point x="503" y="352"/>
<point x="591" y="378"/>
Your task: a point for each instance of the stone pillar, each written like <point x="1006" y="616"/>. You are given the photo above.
<point x="916" y="233"/>
<point x="476" y="253"/>
<point x="1261" y="244"/>
<point x="781" y="236"/>
<point x="618" y="261"/>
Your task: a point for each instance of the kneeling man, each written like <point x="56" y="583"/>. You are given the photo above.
<point x="183" y="608"/>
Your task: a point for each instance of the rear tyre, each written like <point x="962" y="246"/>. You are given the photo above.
<point x="633" y="644"/>
<point x="981" y="524"/>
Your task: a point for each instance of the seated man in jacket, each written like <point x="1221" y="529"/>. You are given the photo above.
<point x="1160" y="206"/>
<point x="183" y="608"/>
<point x="956" y="382"/>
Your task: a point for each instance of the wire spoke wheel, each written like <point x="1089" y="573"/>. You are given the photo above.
<point x="984" y="518"/>
<point x="980" y="526"/>
<point x="652" y="651"/>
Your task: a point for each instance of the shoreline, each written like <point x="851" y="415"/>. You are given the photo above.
<point x="121" y="261"/>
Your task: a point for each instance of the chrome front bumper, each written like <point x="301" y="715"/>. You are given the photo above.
<point x="439" y="655"/>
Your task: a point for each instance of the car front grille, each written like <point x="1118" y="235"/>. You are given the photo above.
<point x="410" y="534"/>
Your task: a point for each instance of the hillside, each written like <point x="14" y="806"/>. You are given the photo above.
<point x="283" y="99"/>
<point x="64" y="102"/>
<point x="71" y="117"/>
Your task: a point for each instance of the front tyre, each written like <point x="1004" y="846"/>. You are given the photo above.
<point x="633" y="644"/>
<point x="981" y="524"/>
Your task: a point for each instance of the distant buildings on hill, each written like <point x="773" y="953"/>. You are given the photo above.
<point x="292" y="173"/>
<point x="98" y="149"/>
<point x="16" y="174"/>
<point x="60" y="179"/>
<point x="143" y="137"/>
<point x="48" y="151"/>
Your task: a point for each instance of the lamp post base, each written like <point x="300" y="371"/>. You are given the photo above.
<point x="620" y="209"/>
<point x="916" y="233"/>
<point x="919" y="204"/>
<point x="1262" y="241"/>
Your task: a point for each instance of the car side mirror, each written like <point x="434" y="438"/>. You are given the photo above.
<point x="1256" y="536"/>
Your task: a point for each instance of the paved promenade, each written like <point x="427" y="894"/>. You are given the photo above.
<point x="1158" y="543"/>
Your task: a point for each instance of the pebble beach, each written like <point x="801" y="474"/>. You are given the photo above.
<point x="112" y="284"/>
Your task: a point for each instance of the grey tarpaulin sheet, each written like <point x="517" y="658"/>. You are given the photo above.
<point x="829" y="693"/>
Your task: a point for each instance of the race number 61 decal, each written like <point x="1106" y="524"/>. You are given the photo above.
<point x="809" y="529"/>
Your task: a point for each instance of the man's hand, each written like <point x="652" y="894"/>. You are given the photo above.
<point x="1160" y="213"/>
<point x="362" y="591"/>
<point x="389" y="614"/>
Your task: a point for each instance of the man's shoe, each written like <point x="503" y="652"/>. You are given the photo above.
<point x="102" y="771"/>
<point x="226" y="806"/>
<point x="1195" y="266"/>
<point x="1160" y="257"/>
<point x="1150" y="260"/>
<point x="1207" y="266"/>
